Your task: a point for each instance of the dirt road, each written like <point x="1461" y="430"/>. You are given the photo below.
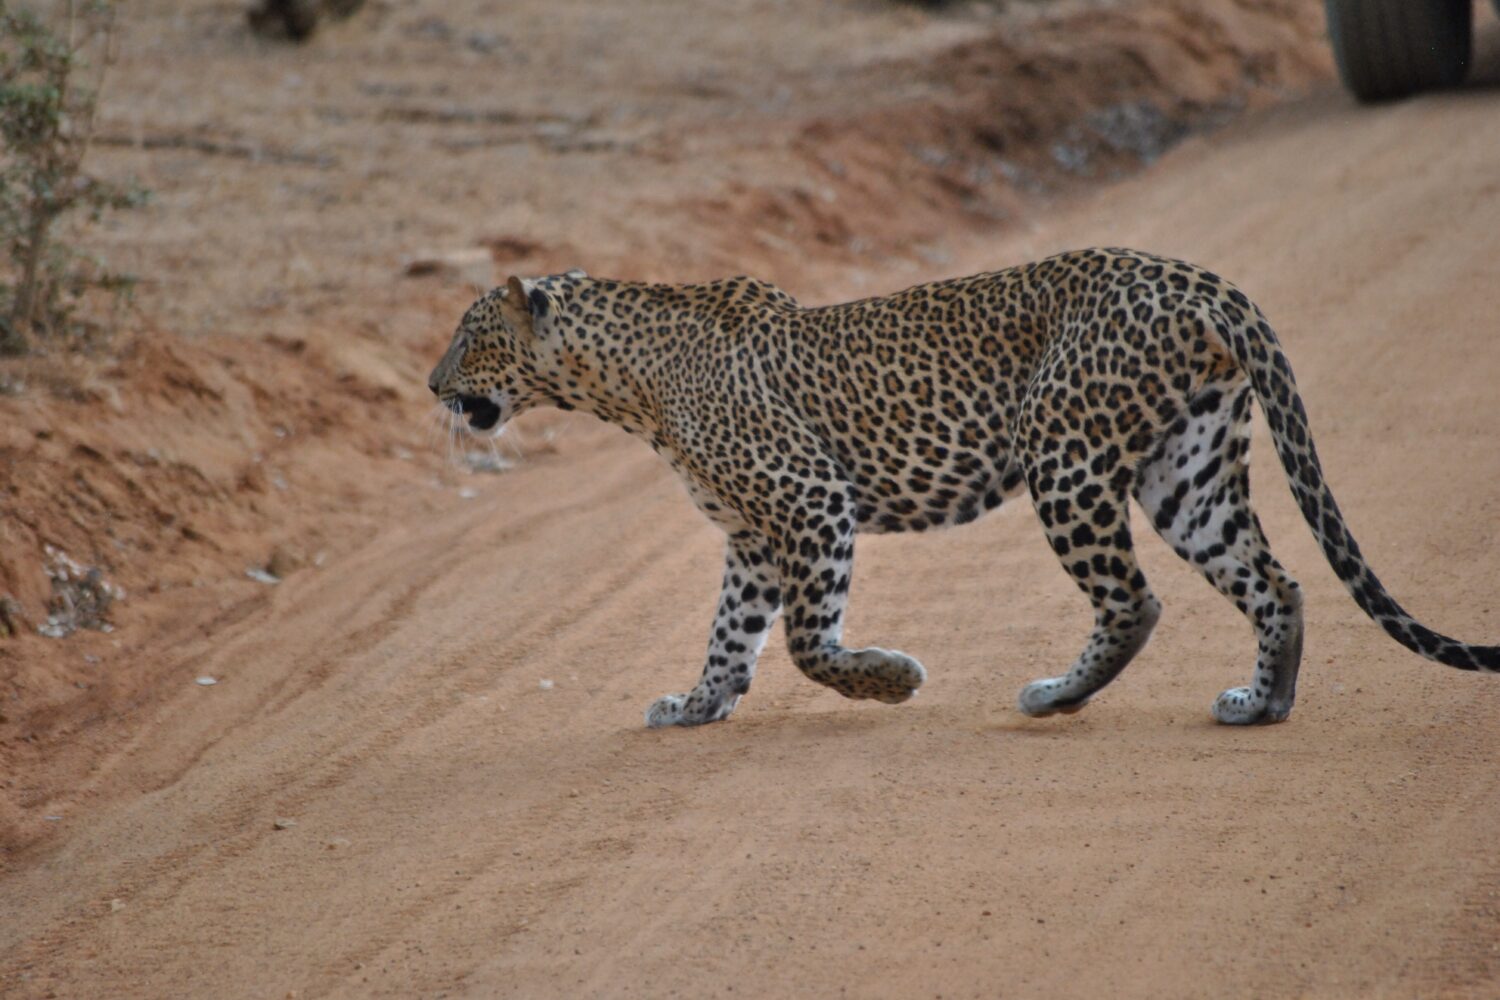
<point x="451" y="715"/>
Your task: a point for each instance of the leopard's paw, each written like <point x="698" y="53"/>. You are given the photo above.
<point x="692" y="709"/>
<point x="1049" y="696"/>
<point x="882" y="675"/>
<point x="666" y="711"/>
<point x="1241" y="706"/>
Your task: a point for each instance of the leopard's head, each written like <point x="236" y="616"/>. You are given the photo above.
<point x="500" y="360"/>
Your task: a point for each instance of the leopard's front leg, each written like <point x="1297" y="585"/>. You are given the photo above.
<point x="816" y="562"/>
<point x="749" y="604"/>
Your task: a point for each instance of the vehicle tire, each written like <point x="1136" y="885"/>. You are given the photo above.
<point x="1392" y="48"/>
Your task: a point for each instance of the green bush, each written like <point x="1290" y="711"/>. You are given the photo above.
<point x="46" y="121"/>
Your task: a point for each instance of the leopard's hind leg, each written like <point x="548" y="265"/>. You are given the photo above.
<point x="1195" y="487"/>
<point x="1081" y="498"/>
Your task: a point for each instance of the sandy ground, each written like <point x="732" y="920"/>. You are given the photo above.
<point x="461" y="829"/>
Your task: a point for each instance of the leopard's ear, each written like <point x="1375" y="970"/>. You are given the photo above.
<point x="524" y="305"/>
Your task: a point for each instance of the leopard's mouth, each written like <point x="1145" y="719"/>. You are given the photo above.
<point x="482" y="413"/>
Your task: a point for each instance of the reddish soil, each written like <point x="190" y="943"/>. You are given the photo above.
<point x="458" y="828"/>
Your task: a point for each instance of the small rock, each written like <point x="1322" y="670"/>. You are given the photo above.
<point x="486" y="42"/>
<point x="545" y="684"/>
<point x="116" y="905"/>
<point x="474" y="265"/>
<point x="206" y="681"/>
<point x="337" y="843"/>
<point x="81" y="597"/>
<point x="260" y="575"/>
<point x="52" y="819"/>
<point x="282" y="823"/>
<point x="283" y="563"/>
<point x="486" y="461"/>
<point x="12" y="617"/>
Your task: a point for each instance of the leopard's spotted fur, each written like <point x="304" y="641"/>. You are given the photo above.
<point x="1086" y="378"/>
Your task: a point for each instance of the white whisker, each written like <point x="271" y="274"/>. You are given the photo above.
<point x="453" y="432"/>
<point x="437" y="422"/>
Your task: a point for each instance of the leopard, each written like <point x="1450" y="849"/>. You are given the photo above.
<point x="1088" y="380"/>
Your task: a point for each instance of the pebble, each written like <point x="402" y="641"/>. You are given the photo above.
<point x="473" y="265"/>
<point x="483" y="461"/>
<point x="545" y="684"/>
<point x="206" y="681"/>
<point x="283" y="563"/>
<point x="116" y="905"/>
<point x="281" y="823"/>
<point x="261" y="576"/>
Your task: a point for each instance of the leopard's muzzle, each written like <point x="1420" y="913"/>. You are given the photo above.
<point x="482" y="413"/>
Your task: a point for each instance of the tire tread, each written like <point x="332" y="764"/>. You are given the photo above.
<point x="1392" y="48"/>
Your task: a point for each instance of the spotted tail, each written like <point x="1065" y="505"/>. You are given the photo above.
<point x="1259" y="355"/>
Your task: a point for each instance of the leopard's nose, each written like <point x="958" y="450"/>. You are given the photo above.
<point x="432" y="383"/>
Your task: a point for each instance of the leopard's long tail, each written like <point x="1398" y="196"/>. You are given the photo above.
<point x="1259" y="355"/>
